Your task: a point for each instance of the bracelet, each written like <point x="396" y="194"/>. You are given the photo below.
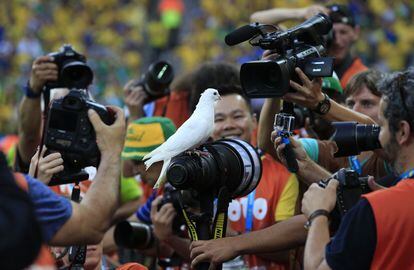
<point x="317" y="213"/>
<point x="29" y="92"/>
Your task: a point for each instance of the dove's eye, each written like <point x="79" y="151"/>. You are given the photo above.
<point x="215" y="94"/>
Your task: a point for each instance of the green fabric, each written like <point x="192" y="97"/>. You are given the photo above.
<point x="311" y="147"/>
<point x="332" y="83"/>
<point x="130" y="189"/>
<point x="11" y="156"/>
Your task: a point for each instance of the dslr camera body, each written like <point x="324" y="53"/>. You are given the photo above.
<point x="351" y="187"/>
<point x="73" y="72"/>
<point x="300" y="46"/>
<point x="69" y="131"/>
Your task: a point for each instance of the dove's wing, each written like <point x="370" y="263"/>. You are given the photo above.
<point x="192" y="133"/>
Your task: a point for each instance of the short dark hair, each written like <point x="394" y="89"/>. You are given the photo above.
<point x="398" y="91"/>
<point x="235" y="90"/>
<point x="218" y="75"/>
<point x="368" y="78"/>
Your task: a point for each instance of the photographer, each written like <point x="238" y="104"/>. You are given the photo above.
<point x="30" y="114"/>
<point x="370" y="235"/>
<point x="273" y="200"/>
<point x="153" y="96"/>
<point x="143" y="136"/>
<point x="60" y="218"/>
<point x="363" y="96"/>
<point x="20" y="233"/>
<point x="346" y="32"/>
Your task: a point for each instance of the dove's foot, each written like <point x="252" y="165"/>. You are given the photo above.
<point x="196" y="153"/>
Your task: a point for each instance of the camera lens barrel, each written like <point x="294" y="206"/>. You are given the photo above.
<point x="158" y="78"/>
<point x="133" y="235"/>
<point x="230" y="162"/>
<point x="353" y="138"/>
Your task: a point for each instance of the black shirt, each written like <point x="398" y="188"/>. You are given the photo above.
<point x="353" y="245"/>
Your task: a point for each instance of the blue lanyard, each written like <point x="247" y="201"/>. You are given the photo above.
<point x="249" y="212"/>
<point x="404" y="175"/>
<point x="355" y="164"/>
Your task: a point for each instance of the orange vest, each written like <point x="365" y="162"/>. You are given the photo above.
<point x="175" y="106"/>
<point x="393" y="210"/>
<point x="268" y="192"/>
<point x="356" y="67"/>
<point x="44" y="259"/>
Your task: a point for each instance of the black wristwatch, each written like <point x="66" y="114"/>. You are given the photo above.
<point x="323" y="106"/>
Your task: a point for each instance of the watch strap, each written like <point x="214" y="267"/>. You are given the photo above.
<point x="317" y="213"/>
<point x="29" y="92"/>
<point x="325" y="101"/>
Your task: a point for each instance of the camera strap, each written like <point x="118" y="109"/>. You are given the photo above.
<point x="77" y="254"/>
<point x="249" y="211"/>
<point x="191" y="227"/>
<point x="355" y="164"/>
<point x="220" y="220"/>
<point x="405" y="175"/>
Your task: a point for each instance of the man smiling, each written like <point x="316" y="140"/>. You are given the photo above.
<point x="275" y="197"/>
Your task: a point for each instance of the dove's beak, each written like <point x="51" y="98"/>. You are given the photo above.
<point x="219" y="97"/>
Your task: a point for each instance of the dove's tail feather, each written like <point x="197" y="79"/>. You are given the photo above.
<point x="163" y="175"/>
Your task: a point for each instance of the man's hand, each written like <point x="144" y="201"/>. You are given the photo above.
<point x="213" y="251"/>
<point x="162" y="219"/>
<point x="47" y="165"/>
<point x="373" y="185"/>
<point x="110" y="139"/>
<point x="300" y="153"/>
<point x="309" y="12"/>
<point x="309" y="94"/>
<point x="135" y="98"/>
<point x="43" y="70"/>
<point x="319" y="198"/>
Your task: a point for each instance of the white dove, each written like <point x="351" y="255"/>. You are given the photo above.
<point x="195" y="131"/>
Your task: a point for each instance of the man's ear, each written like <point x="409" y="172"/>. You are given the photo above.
<point x="357" y="30"/>
<point x="404" y="134"/>
<point x="254" y="119"/>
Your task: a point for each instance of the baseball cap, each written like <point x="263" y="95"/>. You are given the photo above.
<point x="146" y="134"/>
<point x="333" y="84"/>
<point x="332" y="87"/>
<point x="341" y="14"/>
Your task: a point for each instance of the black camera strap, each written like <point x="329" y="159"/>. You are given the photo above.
<point x="223" y="198"/>
<point x="46" y="100"/>
<point x="220" y="220"/>
<point x="77" y="254"/>
<point x="191" y="227"/>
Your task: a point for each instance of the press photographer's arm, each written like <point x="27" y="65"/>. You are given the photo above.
<point x="92" y="217"/>
<point x="30" y="122"/>
<point x="317" y="199"/>
<point x="309" y="94"/>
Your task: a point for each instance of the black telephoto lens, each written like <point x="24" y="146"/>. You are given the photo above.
<point x="133" y="235"/>
<point x="230" y="162"/>
<point x="353" y="138"/>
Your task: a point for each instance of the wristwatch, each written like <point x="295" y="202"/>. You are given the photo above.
<point x="323" y="106"/>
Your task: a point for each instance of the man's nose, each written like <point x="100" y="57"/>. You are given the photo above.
<point x="229" y="124"/>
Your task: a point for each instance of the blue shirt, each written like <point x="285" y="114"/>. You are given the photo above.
<point x="52" y="211"/>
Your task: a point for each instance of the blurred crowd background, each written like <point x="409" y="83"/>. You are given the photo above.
<point x="122" y="37"/>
